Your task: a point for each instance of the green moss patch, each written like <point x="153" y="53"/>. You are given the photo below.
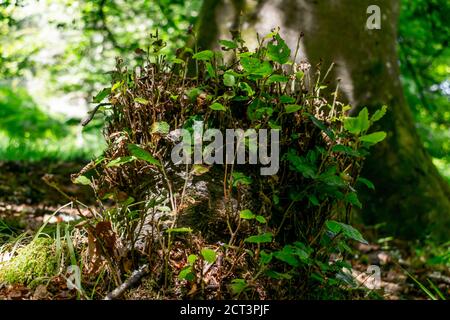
<point x="32" y="262"/>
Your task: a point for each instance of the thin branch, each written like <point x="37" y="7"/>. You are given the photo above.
<point x="131" y="281"/>
<point x="92" y="113"/>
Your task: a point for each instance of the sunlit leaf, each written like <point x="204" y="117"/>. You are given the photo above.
<point x="191" y="259"/>
<point x="228" y="44"/>
<point x="260" y="238"/>
<point x="179" y="230"/>
<point x="247" y="214"/>
<point x="161" y="127"/>
<point x="348" y="231"/>
<point x="186" y="274"/>
<point x="82" y="180"/>
<point x="209" y="255"/>
<point x="278" y="50"/>
<point x="199" y="169"/>
<point x="120" y="161"/>
<point x="287" y="99"/>
<point x="260" y="219"/>
<point x="291" y="108"/>
<point x="238" y="286"/>
<point x="142" y="154"/>
<point x="205" y="55"/>
<point x="255" y="66"/>
<point x="358" y="124"/>
<point x="374" y="138"/>
<point x="141" y="100"/>
<point x="101" y="95"/>
<point x="217" y="106"/>
<point x="228" y="80"/>
<point x="277" y="78"/>
<point x="244" y="86"/>
<point x="378" y="114"/>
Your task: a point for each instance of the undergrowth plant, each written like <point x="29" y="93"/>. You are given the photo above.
<point x="225" y="230"/>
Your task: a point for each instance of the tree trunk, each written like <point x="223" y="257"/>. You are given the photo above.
<point x="410" y="195"/>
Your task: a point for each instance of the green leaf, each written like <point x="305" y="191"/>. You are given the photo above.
<point x="82" y="180"/>
<point x="358" y="124"/>
<point x="313" y="199"/>
<point x="255" y="66"/>
<point x="120" y="161"/>
<point x="258" y="109"/>
<point x="194" y="93"/>
<point x="300" y="164"/>
<point x="141" y="100"/>
<point x="352" y="198"/>
<point x="260" y="238"/>
<point x="286" y="255"/>
<point x="247" y="214"/>
<point x="250" y="64"/>
<point x="240" y="178"/>
<point x="346" y="230"/>
<point x="374" y="138"/>
<point x="287" y="99"/>
<point x="186" y="274"/>
<point x="228" y="80"/>
<point x="209" y="255"/>
<point x="261" y="219"/>
<point x="205" y="55"/>
<point x="142" y="154"/>
<point x="228" y="44"/>
<point x="291" y="108"/>
<point x="191" y="259"/>
<point x="277" y="78"/>
<point x="322" y="127"/>
<point x="278" y="275"/>
<point x="278" y="50"/>
<point x="217" y="106"/>
<point x="161" y="127"/>
<point x="265" y="257"/>
<point x="178" y="61"/>
<point x="210" y="70"/>
<point x="179" y="230"/>
<point x="244" y="86"/>
<point x="366" y="182"/>
<point x="117" y="85"/>
<point x="198" y="169"/>
<point x="163" y="208"/>
<point x="345" y="149"/>
<point x="274" y="125"/>
<point x="238" y="286"/>
<point x="332" y="179"/>
<point x="352" y="125"/>
<point x="363" y="117"/>
<point x="101" y="95"/>
<point x="378" y="114"/>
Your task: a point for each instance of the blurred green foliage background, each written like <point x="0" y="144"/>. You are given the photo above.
<point x="55" y="55"/>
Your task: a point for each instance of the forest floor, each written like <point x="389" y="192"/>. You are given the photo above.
<point x="26" y="201"/>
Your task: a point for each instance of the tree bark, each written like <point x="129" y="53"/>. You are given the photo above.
<point x="410" y="195"/>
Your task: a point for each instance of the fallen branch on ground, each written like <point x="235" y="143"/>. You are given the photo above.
<point x="131" y="281"/>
